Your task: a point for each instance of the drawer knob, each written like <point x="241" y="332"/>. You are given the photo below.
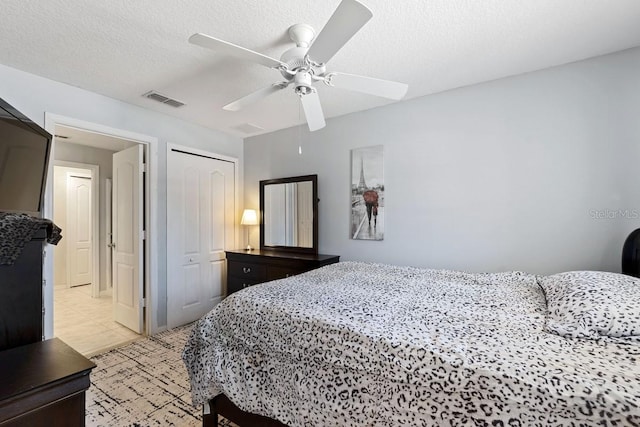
<point x="244" y="285"/>
<point x="246" y="270"/>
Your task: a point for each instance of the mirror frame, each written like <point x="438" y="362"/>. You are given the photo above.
<point x="314" y="183"/>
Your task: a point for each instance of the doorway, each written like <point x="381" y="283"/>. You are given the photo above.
<point x="86" y="301"/>
<point x="85" y="315"/>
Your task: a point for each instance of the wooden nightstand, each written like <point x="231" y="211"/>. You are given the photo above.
<point x="43" y="384"/>
<point x="246" y="268"/>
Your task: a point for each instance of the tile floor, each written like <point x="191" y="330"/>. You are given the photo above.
<point x="86" y="323"/>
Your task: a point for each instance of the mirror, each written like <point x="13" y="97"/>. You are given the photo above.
<point x="289" y="214"/>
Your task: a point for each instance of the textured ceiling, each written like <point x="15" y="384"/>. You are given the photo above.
<point x="124" y="48"/>
<point x="91" y="139"/>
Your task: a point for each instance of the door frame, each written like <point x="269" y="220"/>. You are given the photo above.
<point x="108" y="234"/>
<point x="236" y="195"/>
<point x="150" y="143"/>
<point x="95" y="220"/>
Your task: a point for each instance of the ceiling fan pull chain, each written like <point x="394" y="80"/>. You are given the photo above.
<point x="299" y="128"/>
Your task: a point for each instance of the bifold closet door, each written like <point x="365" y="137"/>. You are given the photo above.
<point x="200" y="227"/>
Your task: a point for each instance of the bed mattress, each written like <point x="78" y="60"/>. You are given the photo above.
<point x="361" y="344"/>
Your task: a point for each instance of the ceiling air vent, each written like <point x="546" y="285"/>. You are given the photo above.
<point x="248" y="128"/>
<point x="164" y="99"/>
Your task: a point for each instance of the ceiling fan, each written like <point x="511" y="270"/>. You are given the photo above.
<point x="305" y="64"/>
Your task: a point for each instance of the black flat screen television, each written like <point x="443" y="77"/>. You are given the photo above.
<point x="24" y="158"/>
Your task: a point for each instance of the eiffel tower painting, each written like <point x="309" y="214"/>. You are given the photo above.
<point x="362" y="185"/>
<point x="367" y="194"/>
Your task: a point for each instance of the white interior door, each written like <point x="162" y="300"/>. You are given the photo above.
<point x="79" y="226"/>
<point x="200" y="227"/>
<point x="127" y="216"/>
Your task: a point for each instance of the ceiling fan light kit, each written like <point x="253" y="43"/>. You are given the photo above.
<point x="305" y="64"/>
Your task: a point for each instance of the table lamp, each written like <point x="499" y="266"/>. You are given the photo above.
<point x="249" y="217"/>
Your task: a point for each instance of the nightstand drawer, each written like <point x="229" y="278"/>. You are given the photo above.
<point x="247" y="270"/>
<point x="235" y="284"/>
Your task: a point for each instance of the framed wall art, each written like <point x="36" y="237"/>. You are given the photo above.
<point x="367" y="193"/>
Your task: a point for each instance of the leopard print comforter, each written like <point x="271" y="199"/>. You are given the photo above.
<point x="360" y="344"/>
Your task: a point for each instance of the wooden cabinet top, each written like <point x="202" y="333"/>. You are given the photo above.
<point x="257" y="253"/>
<point x="31" y="366"/>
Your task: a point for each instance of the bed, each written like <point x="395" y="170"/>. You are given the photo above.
<point x="362" y="344"/>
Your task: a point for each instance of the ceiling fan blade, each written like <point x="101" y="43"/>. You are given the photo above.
<point x="312" y="110"/>
<point x="255" y="96"/>
<point x="231" y="49"/>
<point x="378" y="87"/>
<point x="347" y="20"/>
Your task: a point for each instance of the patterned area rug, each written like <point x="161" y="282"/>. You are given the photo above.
<point x="143" y="384"/>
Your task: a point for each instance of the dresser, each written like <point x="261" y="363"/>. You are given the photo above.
<point x="43" y="384"/>
<point x="21" y="295"/>
<point x="246" y="268"/>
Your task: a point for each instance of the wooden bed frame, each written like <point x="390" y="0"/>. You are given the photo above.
<point x="221" y="405"/>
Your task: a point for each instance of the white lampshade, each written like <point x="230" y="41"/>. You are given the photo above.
<point x="249" y="217"/>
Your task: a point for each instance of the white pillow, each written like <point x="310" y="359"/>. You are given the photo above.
<point x="592" y="304"/>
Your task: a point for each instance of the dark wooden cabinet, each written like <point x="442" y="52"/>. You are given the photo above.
<point x="21" y="315"/>
<point x="246" y="268"/>
<point x="43" y="384"/>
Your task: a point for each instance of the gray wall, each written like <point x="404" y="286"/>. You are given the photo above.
<point x="536" y="172"/>
<point x="33" y="96"/>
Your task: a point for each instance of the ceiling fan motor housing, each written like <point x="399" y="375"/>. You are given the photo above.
<point x="295" y="58"/>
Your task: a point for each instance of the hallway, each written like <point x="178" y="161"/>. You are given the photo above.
<point x="86" y="323"/>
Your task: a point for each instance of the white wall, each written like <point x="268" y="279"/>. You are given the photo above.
<point x="507" y="175"/>
<point x="33" y="96"/>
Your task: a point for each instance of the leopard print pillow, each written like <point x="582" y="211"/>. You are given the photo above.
<point x="592" y="304"/>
